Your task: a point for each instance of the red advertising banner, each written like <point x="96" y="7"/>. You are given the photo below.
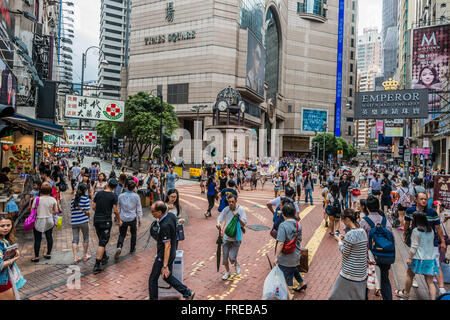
<point x="431" y="47"/>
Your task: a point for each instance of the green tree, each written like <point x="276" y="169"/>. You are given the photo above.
<point x="105" y="130"/>
<point x="333" y="144"/>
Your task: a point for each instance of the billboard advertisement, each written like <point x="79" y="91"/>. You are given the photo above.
<point x="94" y="108"/>
<point x="256" y="64"/>
<point x="314" y="119"/>
<point x="8" y="85"/>
<point x="79" y="138"/>
<point x="393" y="128"/>
<point x="431" y="47"/>
<point x="340" y="55"/>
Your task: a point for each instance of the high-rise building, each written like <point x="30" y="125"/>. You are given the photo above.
<point x="193" y="49"/>
<point x="114" y="32"/>
<point x="389" y="37"/>
<point x="369" y="65"/>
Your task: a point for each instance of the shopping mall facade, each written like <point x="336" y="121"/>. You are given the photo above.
<point x="280" y="55"/>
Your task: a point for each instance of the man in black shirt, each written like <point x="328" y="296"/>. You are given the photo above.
<point x="166" y="253"/>
<point x="344" y="184"/>
<point x="103" y="204"/>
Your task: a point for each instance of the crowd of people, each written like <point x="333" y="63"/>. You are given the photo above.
<point x="362" y="226"/>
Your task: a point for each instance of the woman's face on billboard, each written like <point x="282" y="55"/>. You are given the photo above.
<point x="427" y="76"/>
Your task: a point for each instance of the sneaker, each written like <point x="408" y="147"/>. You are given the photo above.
<point x="117" y="255"/>
<point x="442" y="291"/>
<point x="190" y="296"/>
<point x="415" y="284"/>
<point x="226" y="276"/>
<point x="238" y="268"/>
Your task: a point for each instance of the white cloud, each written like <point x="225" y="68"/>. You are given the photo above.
<point x="369" y="14"/>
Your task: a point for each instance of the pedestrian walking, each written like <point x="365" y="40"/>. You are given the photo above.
<point x="344" y="186"/>
<point x="166" y="253"/>
<point x="11" y="279"/>
<point x="421" y="256"/>
<point x="333" y="209"/>
<point x="298" y="183"/>
<point x="211" y="195"/>
<point x="308" y="185"/>
<point x="172" y="202"/>
<point x="231" y="244"/>
<point x="354" y="192"/>
<point x="130" y="208"/>
<point x="435" y="223"/>
<point x="104" y="204"/>
<point x="93" y="171"/>
<point x="287" y="249"/>
<point x="80" y="209"/>
<point x="351" y="283"/>
<point x="404" y="202"/>
<point x="46" y="207"/>
<point x="74" y="172"/>
<point x="99" y="185"/>
<point x="377" y="217"/>
<point x="203" y="179"/>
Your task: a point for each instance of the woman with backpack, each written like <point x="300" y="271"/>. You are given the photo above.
<point x="422" y="259"/>
<point x="404" y="202"/>
<point x="374" y="218"/>
<point x="351" y="283"/>
<point x="333" y="209"/>
<point x="287" y="249"/>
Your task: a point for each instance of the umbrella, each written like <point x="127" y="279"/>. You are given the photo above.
<point x="219" y="248"/>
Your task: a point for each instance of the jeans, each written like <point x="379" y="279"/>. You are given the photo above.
<point x="290" y="273"/>
<point x="210" y="203"/>
<point x="154" y="276"/>
<point x="38" y="239"/>
<point x="385" y="285"/>
<point x="308" y="192"/>
<point x="123" y="233"/>
<point x="344" y="202"/>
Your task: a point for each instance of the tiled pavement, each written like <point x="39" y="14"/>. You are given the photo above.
<point x="128" y="279"/>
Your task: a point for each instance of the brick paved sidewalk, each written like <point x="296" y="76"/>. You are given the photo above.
<point x="47" y="274"/>
<point x="128" y="278"/>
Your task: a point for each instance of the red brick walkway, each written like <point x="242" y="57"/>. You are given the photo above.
<point x="128" y="279"/>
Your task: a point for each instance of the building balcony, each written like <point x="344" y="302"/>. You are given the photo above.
<point x="315" y="10"/>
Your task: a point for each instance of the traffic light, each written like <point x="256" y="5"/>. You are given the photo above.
<point x="167" y="144"/>
<point x="213" y="152"/>
<point x="115" y="145"/>
<point x="110" y="143"/>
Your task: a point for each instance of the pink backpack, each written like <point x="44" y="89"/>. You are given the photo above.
<point x="28" y="225"/>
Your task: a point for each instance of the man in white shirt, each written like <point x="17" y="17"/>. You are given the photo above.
<point x="230" y="246"/>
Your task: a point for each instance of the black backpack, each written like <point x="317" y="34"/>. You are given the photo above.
<point x="336" y="206"/>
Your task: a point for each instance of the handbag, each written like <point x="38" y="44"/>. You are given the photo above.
<point x="356" y="192"/>
<point x="180" y="232"/>
<point x="303" y="263"/>
<point x="28" y="225"/>
<point x="154" y="229"/>
<point x="231" y="228"/>
<point x="289" y="247"/>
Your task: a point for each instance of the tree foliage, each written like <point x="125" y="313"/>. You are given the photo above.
<point x="141" y="128"/>
<point x="333" y="144"/>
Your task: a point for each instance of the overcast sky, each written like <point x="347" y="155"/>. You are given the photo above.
<point x="87" y="31"/>
<point x="369" y="14"/>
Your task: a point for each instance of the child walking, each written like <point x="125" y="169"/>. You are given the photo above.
<point x="421" y="256"/>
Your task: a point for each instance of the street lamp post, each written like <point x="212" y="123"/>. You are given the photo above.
<point x="197" y="109"/>
<point x="160" y="124"/>
<point x="83" y="66"/>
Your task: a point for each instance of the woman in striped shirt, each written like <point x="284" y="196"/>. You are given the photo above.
<point x="80" y="207"/>
<point x="351" y="283"/>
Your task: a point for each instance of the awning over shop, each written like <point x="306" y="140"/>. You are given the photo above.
<point x="33" y="124"/>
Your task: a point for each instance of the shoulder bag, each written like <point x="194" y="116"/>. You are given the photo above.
<point x="289" y="247"/>
<point x="28" y="225"/>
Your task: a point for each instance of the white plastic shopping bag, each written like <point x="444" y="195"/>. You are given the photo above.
<point x="275" y="287"/>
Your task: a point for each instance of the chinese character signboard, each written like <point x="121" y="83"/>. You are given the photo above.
<point x="79" y="138"/>
<point x="396" y="104"/>
<point x="431" y="47"/>
<point x="421" y="151"/>
<point x="442" y="190"/>
<point x="94" y="108"/>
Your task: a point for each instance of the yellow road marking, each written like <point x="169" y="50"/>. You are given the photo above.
<point x="191" y="204"/>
